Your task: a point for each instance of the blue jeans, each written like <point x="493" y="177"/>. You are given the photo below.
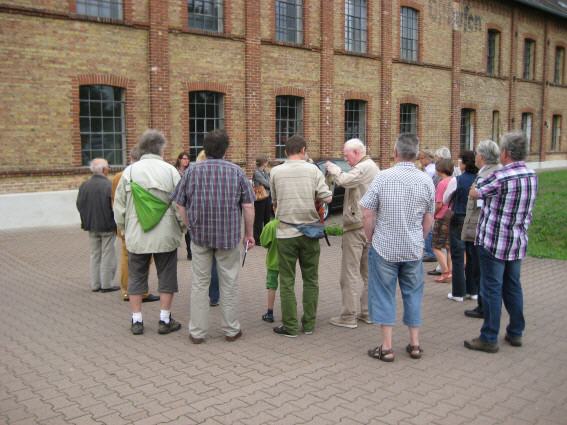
<point x="428" y="246"/>
<point x="214" y="293"/>
<point x="500" y="282"/>
<point x="382" y="279"/>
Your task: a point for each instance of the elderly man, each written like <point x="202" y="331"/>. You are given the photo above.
<point x="509" y="196"/>
<point x="487" y="160"/>
<point x="354" y="264"/>
<point x="95" y="208"/>
<point x="158" y="178"/>
<point x="295" y="186"/>
<point x="212" y="197"/>
<point x="398" y="213"/>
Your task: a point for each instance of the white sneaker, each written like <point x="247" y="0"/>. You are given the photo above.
<point x="458" y="299"/>
<point x="338" y="321"/>
<point x="471" y="297"/>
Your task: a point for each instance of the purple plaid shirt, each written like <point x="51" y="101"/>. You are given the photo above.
<point x="509" y="195"/>
<point x="212" y="192"/>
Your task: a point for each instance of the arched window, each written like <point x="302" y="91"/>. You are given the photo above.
<point x="206" y="113"/>
<point x="289" y="121"/>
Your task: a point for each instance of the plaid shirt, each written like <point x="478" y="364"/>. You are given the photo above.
<point x="401" y="195"/>
<point x="509" y="195"/>
<point x="213" y="192"/>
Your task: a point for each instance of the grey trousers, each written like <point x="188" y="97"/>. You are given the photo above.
<point x="103" y="259"/>
<point x="354" y="275"/>
<point x="228" y="267"/>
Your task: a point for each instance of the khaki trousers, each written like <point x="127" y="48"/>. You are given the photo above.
<point x="354" y="274"/>
<point x="228" y="268"/>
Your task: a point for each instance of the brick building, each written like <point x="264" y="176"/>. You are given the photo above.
<point x="83" y="78"/>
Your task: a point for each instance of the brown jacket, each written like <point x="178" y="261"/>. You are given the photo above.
<point x="473" y="211"/>
<point x="356" y="183"/>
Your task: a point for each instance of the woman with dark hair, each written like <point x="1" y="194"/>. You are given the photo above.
<point x="263" y="207"/>
<point x="457" y="194"/>
<point x="182" y="163"/>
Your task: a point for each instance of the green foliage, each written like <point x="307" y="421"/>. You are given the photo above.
<point x="548" y="231"/>
<point x="334" y="230"/>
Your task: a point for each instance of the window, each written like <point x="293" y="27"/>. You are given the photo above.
<point x="111" y="9"/>
<point x="409" y="34"/>
<point x="289" y="121"/>
<point x="556" y="133"/>
<point x="289" y="21"/>
<point x="559" y="65"/>
<point x="408" y="118"/>
<point x="467" y="129"/>
<point x="206" y="113"/>
<point x="101" y="121"/>
<point x="496" y="126"/>
<point x="527" y="118"/>
<point x="206" y="15"/>
<point x="355" y="120"/>
<point x="493" y="53"/>
<point x="529" y="59"/>
<point x="355" y="25"/>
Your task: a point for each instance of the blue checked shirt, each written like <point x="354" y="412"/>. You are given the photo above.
<point x="212" y="192"/>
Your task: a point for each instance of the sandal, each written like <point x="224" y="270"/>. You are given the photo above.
<point x="444" y="278"/>
<point x="415" y="351"/>
<point x="380" y="354"/>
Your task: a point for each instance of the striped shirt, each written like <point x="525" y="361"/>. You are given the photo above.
<point x="509" y="195"/>
<point x="401" y="196"/>
<point x="213" y="192"/>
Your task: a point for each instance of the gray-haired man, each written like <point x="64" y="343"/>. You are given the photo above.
<point x="354" y="264"/>
<point x="95" y="208"/>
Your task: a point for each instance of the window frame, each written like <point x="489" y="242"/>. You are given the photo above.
<point x="415" y="113"/>
<point x="493" y="68"/>
<point x="98" y="4"/>
<point x="218" y="5"/>
<point x="559" y="66"/>
<point x="524" y="127"/>
<point x="528" y="71"/>
<point x="102" y="121"/>
<point x="299" y="32"/>
<point x="298" y="121"/>
<point x="351" y="44"/>
<point x="415" y="50"/>
<point x="467" y="138"/>
<point x="219" y="108"/>
<point x="362" y="112"/>
<point x="556" y="132"/>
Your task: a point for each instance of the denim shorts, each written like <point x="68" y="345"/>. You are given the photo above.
<point x="383" y="277"/>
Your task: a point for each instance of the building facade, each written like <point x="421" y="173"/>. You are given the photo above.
<point x="84" y="78"/>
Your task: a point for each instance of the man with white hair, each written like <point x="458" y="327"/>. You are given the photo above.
<point x="94" y="203"/>
<point x="354" y="263"/>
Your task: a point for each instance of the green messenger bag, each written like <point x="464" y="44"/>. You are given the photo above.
<point x="149" y="208"/>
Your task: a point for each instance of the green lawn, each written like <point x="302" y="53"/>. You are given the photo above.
<point x="548" y="231"/>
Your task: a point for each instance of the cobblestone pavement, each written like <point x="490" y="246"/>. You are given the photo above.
<point x="67" y="355"/>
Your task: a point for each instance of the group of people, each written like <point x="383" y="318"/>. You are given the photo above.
<point x="387" y="219"/>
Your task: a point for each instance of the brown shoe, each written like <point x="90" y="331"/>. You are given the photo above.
<point x="480" y="345"/>
<point x="196" y="340"/>
<point x="233" y="338"/>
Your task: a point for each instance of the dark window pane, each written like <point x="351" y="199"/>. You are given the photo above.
<point x="96" y="109"/>
<point x="100" y="8"/>
<point x="85" y="125"/>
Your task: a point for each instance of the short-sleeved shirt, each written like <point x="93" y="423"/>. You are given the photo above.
<point x="269" y="241"/>
<point x="295" y="186"/>
<point x="213" y="191"/>
<point x="439" y="192"/>
<point x="509" y="195"/>
<point x="401" y="196"/>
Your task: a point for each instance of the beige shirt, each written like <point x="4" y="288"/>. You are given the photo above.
<point x="295" y="186"/>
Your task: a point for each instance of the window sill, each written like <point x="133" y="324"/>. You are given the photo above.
<point x="271" y="42"/>
<point x="226" y="36"/>
<point x="356" y="54"/>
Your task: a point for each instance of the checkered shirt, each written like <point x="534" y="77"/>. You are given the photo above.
<point x="509" y="195"/>
<point x="400" y="195"/>
<point x="213" y="192"/>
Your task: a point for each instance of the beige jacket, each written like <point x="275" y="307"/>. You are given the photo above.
<point x="356" y="183"/>
<point x="473" y="210"/>
<point x="160" y="178"/>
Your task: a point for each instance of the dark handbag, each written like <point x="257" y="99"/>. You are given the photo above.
<point x="260" y="192"/>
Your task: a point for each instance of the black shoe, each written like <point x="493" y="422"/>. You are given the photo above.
<point x="196" y="340"/>
<point x="96" y="290"/>
<point x="110" y="289"/>
<point x="429" y="259"/>
<point x="476" y="313"/>
<point x="434" y="273"/>
<point x="514" y="341"/>
<point x="234" y="337"/>
<point x="189" y="257"/>
<point x="480" y="345"/>
<point x="282" y="330"/>
<point x="213" y="304"/>
<point x="268" y="317"/>
<point x="150" y="298"/>
<point x="172" y="326"/>
<point x="137" y="328"/>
